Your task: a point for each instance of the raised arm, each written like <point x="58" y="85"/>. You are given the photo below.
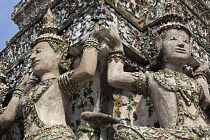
<point x="10" y="112"/>
<point x="117" y="77"/>
<point x="72" y="81"/>
<point x="200" y="75"/>
<point x="87" y="68"/>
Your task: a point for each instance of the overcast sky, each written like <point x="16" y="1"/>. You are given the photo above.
<point x="7" y="27"/>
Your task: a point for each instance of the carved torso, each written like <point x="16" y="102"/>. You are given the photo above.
<point x="44" y="105"/>
<point x="176" y="99"/>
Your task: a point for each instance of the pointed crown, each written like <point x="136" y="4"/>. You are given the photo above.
<point x="173" y="17"/>
<point x="170" y="20"/>
<point x="49" y="30"/>
<point x="49" y="34"/>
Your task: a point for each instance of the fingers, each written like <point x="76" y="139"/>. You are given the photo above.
<point x="111" y="37"/>
<point x="95" y="31"/>
<point x="96" y="28"/>
<point x="204" y="67"/>
<point x="114" y="31"/>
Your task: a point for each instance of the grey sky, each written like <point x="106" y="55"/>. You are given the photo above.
<point x="7" y="27"/>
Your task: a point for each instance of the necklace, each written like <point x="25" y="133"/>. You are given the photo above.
<point x="187" y="90"/>
<point x="28" y="103"/>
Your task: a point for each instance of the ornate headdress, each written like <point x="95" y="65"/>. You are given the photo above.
<point x="50" y="34"/>
<point x="173" y="17"/>
<point x="168" y="21"/>
<point x="172" y="21"/>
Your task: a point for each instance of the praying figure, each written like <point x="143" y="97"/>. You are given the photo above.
<point x="43" y="101"/>
<point x="178" y="99"/>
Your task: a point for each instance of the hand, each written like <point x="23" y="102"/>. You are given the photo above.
<point x="24" y="82"/>
<point x="99" y="34"/>
<point x="95" y="33"/>
<point x="204" y="68"/>
<point x="111" y="37"/>
<point x="114" y="39"/>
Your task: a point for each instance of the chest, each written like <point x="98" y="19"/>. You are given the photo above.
<point x="40" y="95"/>
<point x="179" y="85"/>
<point x="177" y="95"/>
<point x="175" y="82"/>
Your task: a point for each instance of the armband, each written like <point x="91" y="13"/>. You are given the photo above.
<point x="200" y="73"/>
<point x="116" y="55"/>
<point x="66" y="84"/>
<point x="18" y="92"/>
<point x="92" y="43"/>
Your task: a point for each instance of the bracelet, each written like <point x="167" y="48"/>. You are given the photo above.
<point x="66" y="84"/>
<point x="92" y="43"/>
<point x="118" y="51"/>
<point x="138" y="84"/>
<point x="18" y="92"/>
<point x="199" y="73"/>
<point x="92" y="40"/>
<point x="116" y="55"/>
<point x="34" y="80"/>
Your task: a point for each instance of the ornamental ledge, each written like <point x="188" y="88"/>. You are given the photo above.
<point x="28" y="11"/>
